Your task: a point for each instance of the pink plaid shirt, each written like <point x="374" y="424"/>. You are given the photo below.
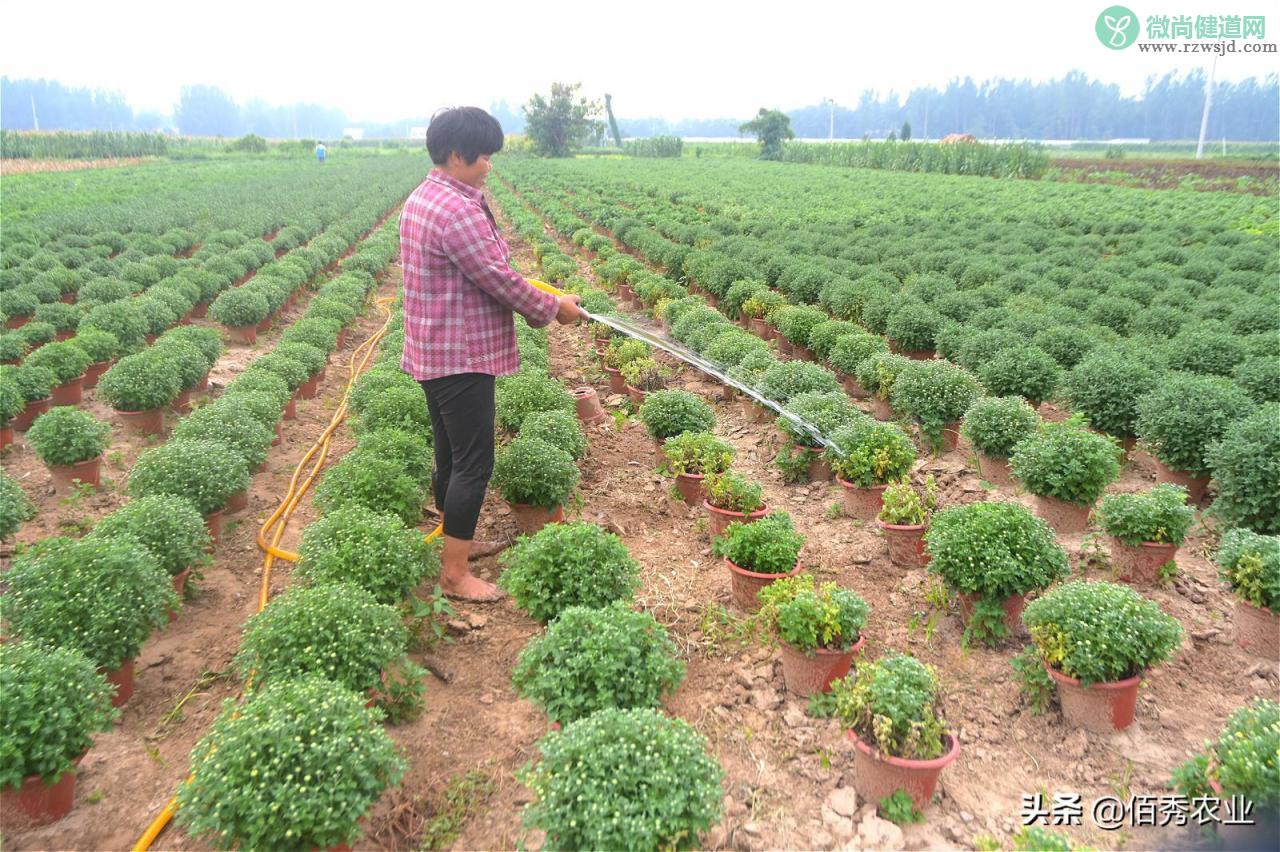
<point x="459" y="289"/>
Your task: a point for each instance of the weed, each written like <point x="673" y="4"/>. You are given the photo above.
<point x="169" y="720"/>
<point x="620" y="418"/>
<point x="722" y="631"/>
<point x="835" y="511"/>
<point x="1034" y="682"/>
<point x="428" y="618"/>
<point x="986" y="843"/>
<point x="94" y="797"/>
<point x="822" y="705"/>
<point x="1168" y="573"/>
<point x="402" y="691"/>
<point x="793" y="463"/>
<point x="115" y="458"/>
<point x="900" y="809"/>
<point x="1121" y="780"/>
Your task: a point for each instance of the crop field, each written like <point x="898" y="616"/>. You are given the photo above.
<point x="1038" y="451"/>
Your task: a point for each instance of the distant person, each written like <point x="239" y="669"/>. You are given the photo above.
<point x="321" y="152"/>
<point x="459" y="292"/>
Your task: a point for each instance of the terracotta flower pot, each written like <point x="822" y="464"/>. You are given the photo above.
<point x="1100" y="708"/>
<point x="918" y="354"/>
<point x="1012" y="610"/>
<point x="853" y="387"/>
<point x="291" y="409"/>
<point x="806" y="674"/>
<point x="588" y="405"/>
<point x="1195" y="485"/>
<point x="752" y="411"/>
<point x="17" y="321"/>
<point x="617" y="384"/>
<point x="530" y="519"/>
<point x="819" y="467"/>
<point x="877" y="776"/>
<point x="182" y="402"/>
<point x="636" y="395"/>
<point x="199" y="310"/>
<point x="690" y="488"/>
<point x="265" y="326"/>
<point x="213" y="523"/>
<point x="747" y="584"/>
<point x="65" y="334"/>
<point x="179" y="588"/>
<point x="906" y="544"/>
<point x="246" y="335"/>
<point x="625" y="292"/>
<point x="804" y="353"/>
<point x="36" y="803"/>
<point x="237" y="502"/>
<point x="87" y="472"/>
<point x="149" y="422"/>
<point x="275" y="442"/>
<point x="1065" y="518"/>
<point x="309" y="388"/>
<point x="22" y="421"/>
<point x="862" y="503"/>
<point x="785" y="347"/>
<point x="995" y="470"/>
<point x="1257" y="630"/>
<point x="6" y="436"/>
<point x="760" y="328"/>
<point x="122" y="679"/>
<point x="718" y="519"/>
<point x="341" y="342"/>
<point x="881" y="409"/>
<point x="94" y="372"/>
<point x="1140" y="563"/>
<point x="950" y="436"/>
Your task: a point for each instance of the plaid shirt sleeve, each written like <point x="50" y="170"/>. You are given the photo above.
<point x="474" y="246"/>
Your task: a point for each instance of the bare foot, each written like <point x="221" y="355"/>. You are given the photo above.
<point x="473" y="589"/>
<point x="481" y="549"/>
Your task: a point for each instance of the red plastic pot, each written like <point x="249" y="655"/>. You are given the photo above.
<point x="530" y="519"/>
<point x="182" y="402"/>
<point x="617" y="384"/>
<point x="275" y="442"/>
<point x="862" y="503"/>
<point x="149" y="422"/>
<point x="88" y="472"/>
<point x="906" y="544"/>
<point x="213" y="523"/>
<point x="342" y="338"/>
<point x="804" y="353"/>
<point x="690" y="487"/>
<point x="22" y="421"/>
<point x="718" y="519"/>
<point x="1257" y="630"/>
<point x="587" y="402"/>
<point x="918" y="354"/>
<point x="1065" y="518"/>
<point x="265" y="326"/>
<point x="309" y="388"/>
<point x="876" y="776"/>
<point x="237" y="502"/>
<point x="122" y="678"/>
<point x="94" y="372"/>
<point x="660" y="460"/>
<point x="760" y="328"/>
<point x="1101" y="707"/>
<point x="636" y="395"/>
<point x="65" y="334"/>
<point x="200" y="309"/>
<point x="752" y="411"/>
<point x="291" y="409"/>
<point x="68" y="393"/>
<point x="785" y="347"/>
<point x="1195" y="485"/>
<point x="853" y="387"/>
<point x="179" y="588"/>
<point x="881" y="409"/>
<point x="950" y="436"/>
<point x="6" y="436"/>
<point x="1012" y="606"/>
<point x="1140" y="563"/>
<point x="995" y="470"/>
<point x="747" y="584"/>
<point x="243" y="334"/>
<point x="807" y="674"/>
<point x="36" y="803"/>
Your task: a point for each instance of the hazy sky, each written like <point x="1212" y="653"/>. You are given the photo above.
<point x="382" y="60"/>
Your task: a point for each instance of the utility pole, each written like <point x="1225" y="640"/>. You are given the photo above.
<point x="35" y="119"/>
<point x="1208" y="101"/>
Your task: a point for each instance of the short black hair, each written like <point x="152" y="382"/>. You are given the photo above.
<point x="470" y="131"/>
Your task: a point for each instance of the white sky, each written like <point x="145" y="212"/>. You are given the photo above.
<point x="383" y="60"/>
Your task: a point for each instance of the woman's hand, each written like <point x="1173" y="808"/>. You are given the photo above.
<point x="569" y="312"/>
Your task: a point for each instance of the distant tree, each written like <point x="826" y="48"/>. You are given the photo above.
<point x="892" y="137"/>
<point x="561" y="123"/>
<point x="206" y="111"/>
<point x="905" y="133"/>
<point x="772" y="128"/>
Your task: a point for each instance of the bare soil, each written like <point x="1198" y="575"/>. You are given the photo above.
<point x="19" y="167"/>
<point x="783" y="767"/>
<point x="1204" y="175"/>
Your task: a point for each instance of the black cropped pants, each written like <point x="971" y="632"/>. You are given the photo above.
<point x="461" y="409"/>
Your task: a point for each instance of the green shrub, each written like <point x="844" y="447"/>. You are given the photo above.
<point x="239" y="307"/>
<point x="60" y="315"/>
<point x="530" y="471"/>
<point x="1245" y="464"/>
<point x="293" y="372"/>
<point x="227" y="425"/>
<point x="624" y="779"/>
<point x="559" y="429"/>
<point x="826" y="411"/>
<point x="183" y="358"/>
<point x="33" y="383"/>
<point x="786" y="379"/>
<point x="796" y="323"/>
<point x="1105" y="388"/>
<point x="204" y="472"/>
<point x="1066" y="462"/>
<point x="119" y="319"/>
<point x="668" y="413"/>
<point x="645" y="374"/>
<point x="372" y="550"/>
<point x="140" y="382"/>
<point x="410" y="451"/>
<point x="1185" y="415"/>
<point x="730" y="347"/>
<point x="565" y="565"/>
<point x="102" y="597"/>
<point x="312" y="358"/>
<point x="591" y="659"/>
<point x="1206" y="351"/>
<point x="15" y="506"/>
<point x="376" y="382"/>
<point x="1021" y="371"/>
<point x="1244" y="756"/>
<point x="994" y="425"/>
<point x="65" y="435"/>
<point x="934" y="394"/>
<point x="260" y="381"/>
<point x="902" y="504"/>
<point x="301" y="743"/>
<point x="850" y="350"/>
<point x="623" y="350"/>
<point x="100" y="346"/>
<point x="809" y="618"/>
<point x="1068" y="345"/>
<point x="1250" y="564"/>
<point x="52" y="702"/>
<point x="1260" y="378"/>
<point x="11" y="402"/>
<point x="824" y="335"/>
<point x="13" y="347"/>
<point x="770" y="545"/>
<point x="877" y="373"/>
<point x="380" y="485"/>
<point x="18" y="303"/>
<point x="397" y="407"/>
<point x="733" y="492"/>
<point x="894" y="706"/>
<point x="525" y="393"/>
<point x="1160" y="514"/>
<point x="169" y="528"/>
<point x="871" y="453"/>
<point x="913" y="326"/>
<point x="1100" y="632"/>
<point x="65" y="359"/>
<point x="338" y="631"/>
<point x="698" y="453"/>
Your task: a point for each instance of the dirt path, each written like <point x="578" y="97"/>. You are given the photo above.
<point x="21" y="167"/>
